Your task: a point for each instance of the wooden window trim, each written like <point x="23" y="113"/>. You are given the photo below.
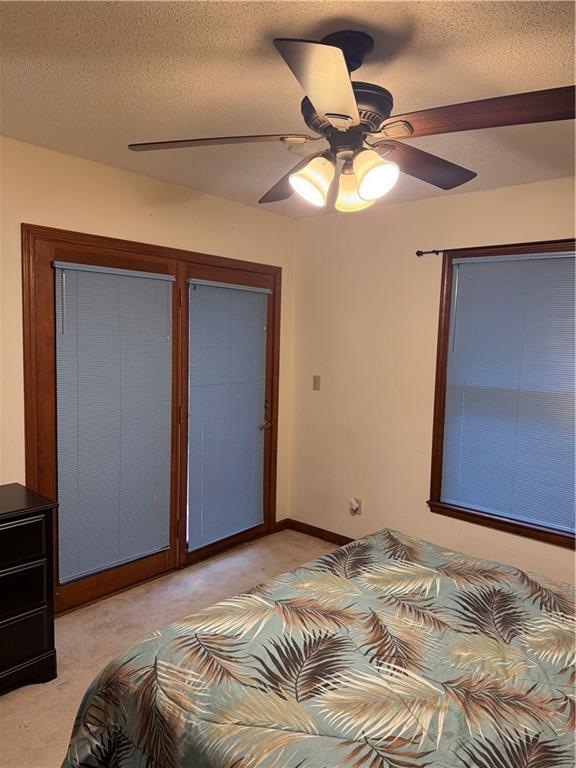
<point x="40" y="246"/>
<point x="537" y="532"/>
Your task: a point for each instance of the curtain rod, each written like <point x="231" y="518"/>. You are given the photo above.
<point x="424" y="253"/>
<point x="569" y="251"/>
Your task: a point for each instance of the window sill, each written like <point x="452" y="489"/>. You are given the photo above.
<point x="503" y="524"/>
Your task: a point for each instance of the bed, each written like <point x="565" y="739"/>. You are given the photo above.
<point x="389" y="652"/>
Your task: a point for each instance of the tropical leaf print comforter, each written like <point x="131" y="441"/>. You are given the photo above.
<point x="387" y="653"/>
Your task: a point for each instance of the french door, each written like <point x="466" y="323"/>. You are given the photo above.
<point x="113" y="416"/>
<point x="151" y="380"/>
<point x="228" y="433"/>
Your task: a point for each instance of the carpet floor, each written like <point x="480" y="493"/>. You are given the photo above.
<point x="36" y="721"/>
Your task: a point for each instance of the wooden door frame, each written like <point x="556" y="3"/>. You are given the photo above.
<point x="40" y="247"/>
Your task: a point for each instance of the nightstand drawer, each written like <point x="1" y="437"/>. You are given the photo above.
<point x="22" y="588"/>
<point x="24" y="638"/>
<point x="22" y="540"/>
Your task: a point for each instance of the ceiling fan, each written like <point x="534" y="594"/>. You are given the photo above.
<point x="355" y="119"/>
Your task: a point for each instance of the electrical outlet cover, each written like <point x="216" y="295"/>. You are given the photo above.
<point x="355" y="506"/>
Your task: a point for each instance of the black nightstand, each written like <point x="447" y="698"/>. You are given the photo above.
<point x="27" y="653"/>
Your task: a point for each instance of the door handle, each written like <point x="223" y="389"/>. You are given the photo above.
<point x="266" y="425"/>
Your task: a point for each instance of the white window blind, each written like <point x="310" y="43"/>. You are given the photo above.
<point x="113" y="383"/>
<point x="509" y="437"/>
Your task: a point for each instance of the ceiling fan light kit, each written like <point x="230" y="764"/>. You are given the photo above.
<point x="375" y="175"/>
<point x="346" y="114"/>
<point x="348" y="200"/>
<point x="313" y="181"/>
<point x="363" y="180"/>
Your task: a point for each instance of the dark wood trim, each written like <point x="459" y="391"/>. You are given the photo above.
<point x="436" y="505"/>
<point x="312" y="530"/>
<point x="273" y="359"/>
<point x="32" y="232"/>
<point x="30" y="371"/>
<point x="182" y="368"/>
<point x="40" y="247"/>
<point x="550" y="246"/>
<point x="504" y="524"/>
<point x="440" y="387"/>
<point x="225" y="544"/>
<point x="90" y="588"/>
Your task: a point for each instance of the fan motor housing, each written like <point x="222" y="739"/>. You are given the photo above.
<point x="374" y="106"/>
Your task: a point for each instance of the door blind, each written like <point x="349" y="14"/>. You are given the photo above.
<point x="113" y="385"/>
<point x="509" y="441"/>
<point x="227" y="379"/>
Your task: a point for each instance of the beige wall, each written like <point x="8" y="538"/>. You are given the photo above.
<point x="38" y="186"/>
<point x="366" y="319"/>
<point x="358" y="308"/>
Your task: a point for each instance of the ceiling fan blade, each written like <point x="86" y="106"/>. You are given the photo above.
<point x="282" y="190"/>
<point x="518" y="109"/>
<point x="286" y="138"/>
<point x="422" y="165"/>
<point x="322" y="72"/>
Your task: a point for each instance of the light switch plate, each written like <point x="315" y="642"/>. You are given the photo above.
<point x="316" y="383"/>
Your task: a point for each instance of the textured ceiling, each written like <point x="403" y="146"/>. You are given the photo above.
<point x="87" y="78"/>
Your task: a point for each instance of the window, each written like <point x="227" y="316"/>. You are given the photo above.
<point x="504" y="426"/>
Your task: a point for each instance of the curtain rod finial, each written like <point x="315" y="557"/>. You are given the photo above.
<point x="423" y="253"/>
